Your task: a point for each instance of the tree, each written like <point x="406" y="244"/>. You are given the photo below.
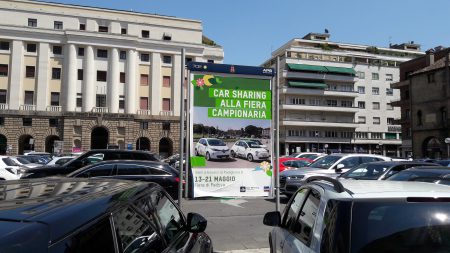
<point x="252" y="130"/>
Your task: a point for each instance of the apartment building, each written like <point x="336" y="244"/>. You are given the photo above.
<point x="93" y="77"/>
<point x="336" y="96"/>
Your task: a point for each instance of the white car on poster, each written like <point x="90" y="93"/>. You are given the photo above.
<point x="250" y="150"/>
<point x="212" y="148"/>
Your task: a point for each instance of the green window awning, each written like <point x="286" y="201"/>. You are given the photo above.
<point x="308" y="85"/>
<point x="322" y="69"/>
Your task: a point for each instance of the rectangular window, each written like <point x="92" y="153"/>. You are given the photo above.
<point x="376" y="105"/>
<point x="101" y="76"/>
<point x="2" y="121"/>
<point x="57" y="50"/>
<point x="53" y="122"/>
<point x="145" y="34"/>
<point x="346" y="135"/>
<point x="331" y="102"/>
<point x="102" y="53"/>
<point x="82" y="27"/>
<point x="375" y="91"/>
<point x="4" y="45"/>
<point x="32" y="22"/>
<point x="79" y="100"/>
<point x="361" y="75"/>
<point x="30" y="71"/>
<point x="390" y="121"/>
<point x="143" y="103"/>
<point x="122" y="77"/>
<point x="123" y="31"/>
<point x="361" y="135"/>
<point x="361" y="119"/>
<point x="389" y="107"/>
<point x="376" y="120"/>
<point x="298" y="101"/>
<point x="375" y="76"/>
<point x="3" y="69"/>
<point x="210" y="61"/>
<point x="29" y="97"/>
<point x="100" y="100"/>
<point x="361" y="89"/>
<point x="167" y="36"/>
<point x="144" y="80"/>
<point x="331" y="134"/>
<point x="121" y="102"/>
<point x="144" y="125"/>
<point x="81" y="51"/>
<point x="314" y="134"/>
<point x="31" y="48"/>
<point x="166" y="126"/>
<point x="145" y="57"/>
<point x="314" y="101"/>
<point x="346" y="103"/>
<point x="166" y="81"/>
<point x="123" y="55"/>
<point x="54" y="99"/>
<point x="56" y="73"/>
<point x="103" y="29"/>
<point x="167" y="59"/>
<point x="166" y="104"/>
<point x="58" y="25"/>
<point x="27" y="122"/>
<point x="188" y="59"/>
<point x="3" y="94"/>
<point x="389" y="77"/>
<point x="376" y="135"/>
<point x="361" y="105"/>
<point x="389" y="92"/>
<point x="80" y="74"/>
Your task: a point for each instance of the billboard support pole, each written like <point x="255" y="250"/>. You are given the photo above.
<point x="277" y="135"/>
<point x="188" y="133"/>
<point x="182" y="117"/>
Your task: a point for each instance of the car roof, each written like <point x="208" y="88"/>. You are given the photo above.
<point x="143" y="162"/>
<point x="375" y="189"/>
<point x="64" y="204"/>
<point x="431" y="169"/>
<point x="394" y="163"/>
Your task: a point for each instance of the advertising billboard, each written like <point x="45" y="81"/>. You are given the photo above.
<point x="231" y="122"/>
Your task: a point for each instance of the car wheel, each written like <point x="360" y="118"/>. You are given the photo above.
<point x="233" y="154"/>
<point x="196" y="152"/>
<point x="250" y="157"/>
<point x="208" y="157"/>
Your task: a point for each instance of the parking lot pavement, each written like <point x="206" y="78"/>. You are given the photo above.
<point x="235" y="224"/>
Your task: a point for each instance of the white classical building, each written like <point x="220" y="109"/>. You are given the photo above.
<point x="67" y="71"/>
<point x="337" y="96"/>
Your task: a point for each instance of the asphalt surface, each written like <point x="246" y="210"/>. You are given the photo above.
<point x="235" y="224"/>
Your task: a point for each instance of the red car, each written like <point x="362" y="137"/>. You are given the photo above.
<point x="289" y="163"/>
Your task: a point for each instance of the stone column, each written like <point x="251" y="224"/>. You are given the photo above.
<point x="43" y="77"/>
<point x="89" y="85"/>
<point x="176" y="85"/>
<point x="130" y="86"/>
<point x="16" y="73"/>
<point x="156" y="100"/>
<point x="69" y="86"/>
<point x="113" y="82"/>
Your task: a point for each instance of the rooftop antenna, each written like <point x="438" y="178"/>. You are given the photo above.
<point x="326" y="31"/>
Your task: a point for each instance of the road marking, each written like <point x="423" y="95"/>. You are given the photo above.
<point x="234" y="202"/>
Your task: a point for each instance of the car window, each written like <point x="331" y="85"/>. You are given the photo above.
<point x="291" y="212"/>
<point x="9" y="162"/>
<point x="135" y="233"/>
<point x="131" y="169"/>
<point x="157" y="172"/>
<point x="170" y="218"/>
<point x="287" y="163"/>
<point x="366" y="159"/>
<point x="98" y="171"/>
<point x="396" y="170"/>
<point x="62" y="161"/>
<point x="351" y="162"/>
<point x="299" y="164"/>
<point x="23" y="161"/>
<point x="304" y="225"/>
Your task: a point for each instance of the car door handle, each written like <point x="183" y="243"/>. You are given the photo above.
<point x="281" y="245"/>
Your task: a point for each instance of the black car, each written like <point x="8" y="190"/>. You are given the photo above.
<point x="88" y="158"/>
<point x="147" y="171"/>
<point x="78" y="215"/>
<point x="380" y="170"/>
<point x="424" y="174"/>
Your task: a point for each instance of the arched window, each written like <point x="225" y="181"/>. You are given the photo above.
<point x="443" y="111"/>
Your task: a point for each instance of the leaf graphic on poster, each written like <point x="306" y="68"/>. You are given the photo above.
<point x="269" y="173"/>
<point x="218" y="80"/>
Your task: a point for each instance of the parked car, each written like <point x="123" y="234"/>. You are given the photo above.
<point x="24" y="162"/>
<point x="60" y="160"/>
<point x="362" y="216"/>
<point x="147" y="171"/>
<point x="34" y="159"/>
<point x="310" y="155"/>
<point x="250" y="150"/>
<point x="380" y="170"/>
<point x="87" y="158"/>
<point x="443" y="162"/>
<point x="9" y="170"/>
<point x="331" y="166"/>
<point x="212" y="148"/>
<point x="96" y="215"/>
<point x="422" y="173"/>
<point x="293" y="163"/>
<point x="44" y="155"/>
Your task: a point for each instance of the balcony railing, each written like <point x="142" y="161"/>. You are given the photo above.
<point x="144" y="112"/>
<point x="166" y="113"/>
<point x="27" y="107"/>
<point x="54" y="108"/>
<point x="322" y="121"/>
<point x="4" y="106"/>
<point x="100" y="109"/>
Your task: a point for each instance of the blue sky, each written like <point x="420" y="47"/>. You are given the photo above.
<point x="249" y="30"/>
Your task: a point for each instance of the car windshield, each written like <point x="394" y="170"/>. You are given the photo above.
<point x="309" y="156"/>
<point x="325" y="162"/>
<point x="421" y="225"/>
<point x="407" y="175"/>
<point x="216" y="142"/>
<point x="9" y="162"/>
<point x="366" y="171"/>
<point x="253" y="144"/>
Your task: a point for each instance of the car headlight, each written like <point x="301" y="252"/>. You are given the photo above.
<point x="296" y="177"/>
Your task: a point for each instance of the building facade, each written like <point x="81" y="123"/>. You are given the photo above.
<point x="336" y="96"/>
<point x="92" y="77"/>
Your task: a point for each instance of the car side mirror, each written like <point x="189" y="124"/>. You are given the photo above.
<point x="196" y="223"/>
<point x="339" y="168"/>
<point x="272" y="219"/>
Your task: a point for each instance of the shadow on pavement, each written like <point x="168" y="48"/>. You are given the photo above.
<point x="283" y="200"/>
